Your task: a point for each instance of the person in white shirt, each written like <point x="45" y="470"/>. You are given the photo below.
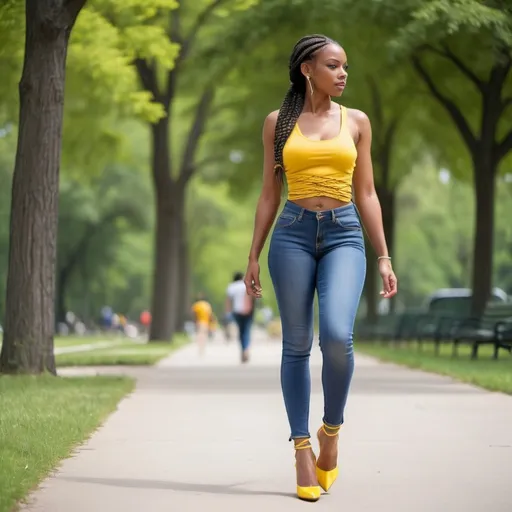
<point x="241" y="306"/>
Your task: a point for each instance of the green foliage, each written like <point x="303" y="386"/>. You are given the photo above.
<point x="102" y="229"/>
<point x="102" y="86"/>
<point x="433" y="20"/>
<point x="11" y="55"/>
<point x="435" y="234"/>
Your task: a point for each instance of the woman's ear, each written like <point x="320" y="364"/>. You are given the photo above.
<point x="305" y="69"/>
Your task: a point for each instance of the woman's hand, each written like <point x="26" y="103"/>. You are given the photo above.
<point x="252" y="279"/>
<point x="389" y="281"/>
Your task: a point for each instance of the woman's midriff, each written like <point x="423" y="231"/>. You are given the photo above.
<point x="320" y="203"/>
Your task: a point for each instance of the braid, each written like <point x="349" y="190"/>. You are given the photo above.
<point x="289" y="112"/>
<point x="293" y="102"/>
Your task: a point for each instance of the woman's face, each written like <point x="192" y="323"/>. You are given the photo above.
<point x="328" y="70"/>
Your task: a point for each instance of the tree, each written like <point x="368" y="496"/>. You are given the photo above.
<point x="29" y="323"/>
<point x="473" y="88"/>
<point x="484" y="143"/>
<point x="171" y="170"/>
<point x="33" y="231"/>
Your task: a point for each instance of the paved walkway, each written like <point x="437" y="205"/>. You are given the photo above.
<point x="211" y="435"/>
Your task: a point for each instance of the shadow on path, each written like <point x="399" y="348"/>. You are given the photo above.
<point x="230" y="489"/>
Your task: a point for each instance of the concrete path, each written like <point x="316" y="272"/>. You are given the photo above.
<point x="211" y="435"/>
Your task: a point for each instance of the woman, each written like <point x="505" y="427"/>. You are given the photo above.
<point x="323" y="150"/>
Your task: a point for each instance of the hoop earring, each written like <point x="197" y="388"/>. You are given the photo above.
<point x="310" y="84"/>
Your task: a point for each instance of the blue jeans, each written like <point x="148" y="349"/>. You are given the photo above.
<point x="322" y="251"/>
<point x="244" y="323"/>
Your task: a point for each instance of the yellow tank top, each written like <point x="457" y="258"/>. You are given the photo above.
<point x="320" y="167"/>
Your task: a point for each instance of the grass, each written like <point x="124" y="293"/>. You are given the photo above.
<point x="72" y="341"/>
<point x="42" y="419"/>
<point x="127" y="353"/>
<point x="483" y="372"/>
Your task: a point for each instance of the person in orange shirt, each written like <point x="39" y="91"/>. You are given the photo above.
<point x="202" y="312"/>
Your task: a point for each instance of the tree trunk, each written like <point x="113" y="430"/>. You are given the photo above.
<point x="162" y="322"/>
<point x="178" y="301"/>
<point x="165" y="277"/>
<point x="29" y="319"/>
<point x="169" y="227"/>
<point x="184" y="284"/>
<point x="484" y="176"/>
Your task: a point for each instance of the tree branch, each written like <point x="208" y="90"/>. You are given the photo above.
<point x="147" y="75"/>
<point x="200" y="21"/>
<point x="454" y="111"/>
<point x="196" y="130"/>
<point x="503" y="147"/>
<point x="499" y="73"/>
<point x="67" y="16"/>
<point x="387" y="148"/>
<point x="73" y="7"/>
<point x="175" y="35"/>
<point x="452" y="57"/>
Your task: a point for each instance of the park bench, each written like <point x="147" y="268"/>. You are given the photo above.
<point x="493" y="327"/>
<point x="383" y="329"/>
<point x="438" y="327"/>
<point x="393" y="327"/>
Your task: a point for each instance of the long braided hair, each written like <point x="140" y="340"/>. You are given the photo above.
<point x="293" y="102"/>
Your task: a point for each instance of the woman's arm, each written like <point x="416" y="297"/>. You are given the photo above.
<point x="266" y="210"/>
<point x="368" y="202"/>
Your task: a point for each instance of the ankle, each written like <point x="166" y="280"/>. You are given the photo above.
<point x="330" y="432"/>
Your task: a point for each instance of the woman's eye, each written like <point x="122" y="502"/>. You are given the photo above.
<point x="331" y="66"/>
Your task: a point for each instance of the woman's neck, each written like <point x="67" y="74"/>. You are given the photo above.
<point x="317" y="104"/>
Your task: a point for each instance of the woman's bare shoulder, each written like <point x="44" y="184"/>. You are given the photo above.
<point x="269" y="126"/>
<point x="358" y="116"/>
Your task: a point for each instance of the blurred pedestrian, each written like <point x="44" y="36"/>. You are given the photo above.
<point x="202" y="313"/>
<point x="240" y="305"/>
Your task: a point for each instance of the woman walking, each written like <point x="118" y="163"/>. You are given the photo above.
<point x="323" y="151"/>
<point x="240" y="305"/>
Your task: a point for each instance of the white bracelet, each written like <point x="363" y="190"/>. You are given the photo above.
<point x="384" y="258"/>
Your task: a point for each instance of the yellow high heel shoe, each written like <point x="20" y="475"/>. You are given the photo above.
<point x="312" y="492"/>
<point x="327" y="477"/>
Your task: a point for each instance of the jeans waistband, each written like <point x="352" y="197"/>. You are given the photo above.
<point x="294" y="208"/>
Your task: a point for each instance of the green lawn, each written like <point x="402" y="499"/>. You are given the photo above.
<point x="127" y="353"/>
<point x="42" y="419"/>
<point x="483" y="372"/>
<point x="71" y="341"/>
